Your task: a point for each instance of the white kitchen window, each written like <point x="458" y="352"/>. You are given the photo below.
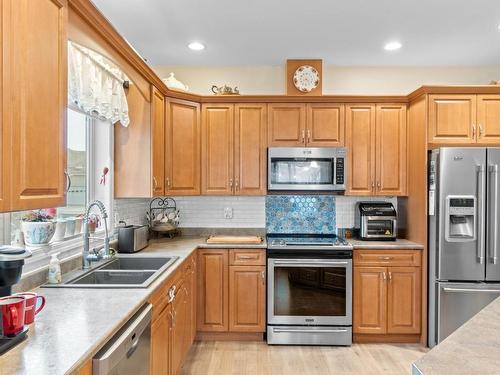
<point x="89" y="155"/>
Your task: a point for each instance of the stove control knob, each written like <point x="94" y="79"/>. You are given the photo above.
<point x="282" y="243"/>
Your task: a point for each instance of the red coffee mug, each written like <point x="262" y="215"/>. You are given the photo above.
<point x="12" y="310"/>
<point x="31" y="303"/>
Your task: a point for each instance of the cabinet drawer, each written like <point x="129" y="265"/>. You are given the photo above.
<point x="387" y="258"/>
<point x="247" y="257"/>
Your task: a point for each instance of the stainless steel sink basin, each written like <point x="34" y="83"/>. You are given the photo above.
<point x="123" y="271"/>
<point x="136" y="264"/>
<point x="100" y="277"/>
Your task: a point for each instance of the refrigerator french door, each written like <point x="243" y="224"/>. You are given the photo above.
<point x="464" y="271"/>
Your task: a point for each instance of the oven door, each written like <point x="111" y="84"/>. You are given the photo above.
<point x="309" y="291"/>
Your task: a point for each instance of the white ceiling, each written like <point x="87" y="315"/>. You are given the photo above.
<point x="341" y="32"/>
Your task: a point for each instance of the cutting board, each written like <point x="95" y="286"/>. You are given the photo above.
<point x="234" y="239"/>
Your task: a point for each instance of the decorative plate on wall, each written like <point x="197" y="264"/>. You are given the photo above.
<point x="306" y="78"/>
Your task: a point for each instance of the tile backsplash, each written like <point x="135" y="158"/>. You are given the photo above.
<point x="300" y="214"/>
<point x="250" y="212"/>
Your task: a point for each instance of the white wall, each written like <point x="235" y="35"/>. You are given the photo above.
<point x="336" y="79"/>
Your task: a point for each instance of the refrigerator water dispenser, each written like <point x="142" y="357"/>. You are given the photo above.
<point x="460" y="224"/>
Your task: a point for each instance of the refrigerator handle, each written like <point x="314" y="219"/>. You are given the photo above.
<point x="493" y="233"/>
<point x="480" y="213"/>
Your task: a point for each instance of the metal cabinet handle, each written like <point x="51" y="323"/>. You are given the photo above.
<point x="167" y="182"/>
<point x="68" y="180"/>
<point x="378" y="185"/>
<point x="473" y="131"/>
<point x="263" y="275"/>
<point x="481" y="130"/>
<point x="155" y="183"/>
<point x="303" y="136"/>
<point x="236" y="184"/>
<point x="383" y="276"/>
<point x="171" y="293"/>
<point x="373" y="185"/>
<point x="390" y="276"/>
<point x="480" y="227"/>
<point x="308" y="136"/>
<point x="231" y="183"/>
<point x="493" y="245"/>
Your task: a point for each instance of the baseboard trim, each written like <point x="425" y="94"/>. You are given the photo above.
<point x="374" y="338"/>
<point x="229" y="336"/>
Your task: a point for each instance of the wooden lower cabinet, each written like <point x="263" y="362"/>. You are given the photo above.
<point x="173" y="329"/>
<point x="231" y="291"/>
<point x="160" y="342"/>
<point x="387" y="297"/>
<point x="247" y="298"/>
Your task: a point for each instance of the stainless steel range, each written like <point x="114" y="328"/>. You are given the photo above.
<point x="309" y="290"/>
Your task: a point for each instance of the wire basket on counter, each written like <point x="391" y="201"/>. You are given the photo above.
<point x="163" y="217"/>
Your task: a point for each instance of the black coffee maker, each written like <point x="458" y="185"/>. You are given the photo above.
<point x="11" y="267"/>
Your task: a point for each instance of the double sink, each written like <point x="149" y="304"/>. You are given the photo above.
<point x="122" y="271"/>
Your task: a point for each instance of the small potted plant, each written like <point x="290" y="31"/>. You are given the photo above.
<point x="38" y="227"/>
<point x="93" y="222"/>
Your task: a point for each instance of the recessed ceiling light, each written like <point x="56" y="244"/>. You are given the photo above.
<point x="393" y="46"/>
<point x="196" y="46"/>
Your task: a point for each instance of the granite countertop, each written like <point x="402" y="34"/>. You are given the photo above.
<point x="76" y="323"/>
<point x="384" y="245"/>
<point x="472" y="349"/>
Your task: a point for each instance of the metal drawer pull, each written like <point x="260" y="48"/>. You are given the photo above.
<point x="386" y="258"/>
<point x="290" y="330"/>
<point x="383" y="276"/>
<point x="171" y="293"/>
<point x="390" y="276"/>
<point x="464" y="290"/>
<point x="248" y="257"/>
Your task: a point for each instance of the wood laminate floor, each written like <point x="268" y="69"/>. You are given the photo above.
<point x="257" y="358"/>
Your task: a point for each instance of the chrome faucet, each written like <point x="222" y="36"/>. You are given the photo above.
<point x="86" y="257"/>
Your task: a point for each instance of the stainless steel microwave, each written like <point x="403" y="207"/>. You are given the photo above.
<point x="306" y="168"/>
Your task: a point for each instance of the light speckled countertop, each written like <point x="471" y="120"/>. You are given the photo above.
<point x="76" y="323"/>
<point x="384" y="245"/>
<point x="474" y="348"/>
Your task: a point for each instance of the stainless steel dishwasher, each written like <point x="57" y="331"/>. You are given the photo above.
<point x="129" y="349"/>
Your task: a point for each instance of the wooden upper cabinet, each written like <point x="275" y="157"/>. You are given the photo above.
<point x="404" y="300"/>
<point x="35" y="78"/>
<point x="217" y="149"/>
<point x="287" y="125"/>
<point x="360" y="143"/>
<point x="250" y="154"/>
<point x="488" y="119"/>
<point x="213" y="290"/>
<point x="391" y="149"/>
<point x="325" y="125"/>
<point x="370" y="300"/>
<point x="452" y="119"/>
<point x="247" y="298"/>
<point x="182" y="148"/>
<point x="158" y="141"/>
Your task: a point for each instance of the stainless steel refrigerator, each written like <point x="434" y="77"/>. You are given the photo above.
<point x="464" y="266"/>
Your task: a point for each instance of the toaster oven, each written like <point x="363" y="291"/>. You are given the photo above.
<point x="377" y="221"/>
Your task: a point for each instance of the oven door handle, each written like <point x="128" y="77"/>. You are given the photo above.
<point x="309" y="263"/>
<point x="298" y="330"/>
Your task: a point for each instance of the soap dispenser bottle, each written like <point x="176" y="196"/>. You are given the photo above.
<point x="55" y="270"/>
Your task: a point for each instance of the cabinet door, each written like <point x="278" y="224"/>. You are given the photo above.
<point x="250" y="143"/>
<point x="158" y="141"/>
<point x="36" y="80"/>
<point x="213" y="291"/>
<point x="452" y="119"/>
<point x="193" y="301"/>
<point x="182" y="150"/>
<point x="403" y="302"/>
<point x="247" y="298"/>
<point x="391" y="149"/>
<point x="287" y="125"/>
<point x="325" y="125"/>
<point x="160" y="343"/>
<point x="217" y="149"/>
<point x="370" y="300"/>
<point x="179" y="330"/>
<point x="5" y="129"/>
<point x="488" y="119"/>
<point x="360" y="143"/>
